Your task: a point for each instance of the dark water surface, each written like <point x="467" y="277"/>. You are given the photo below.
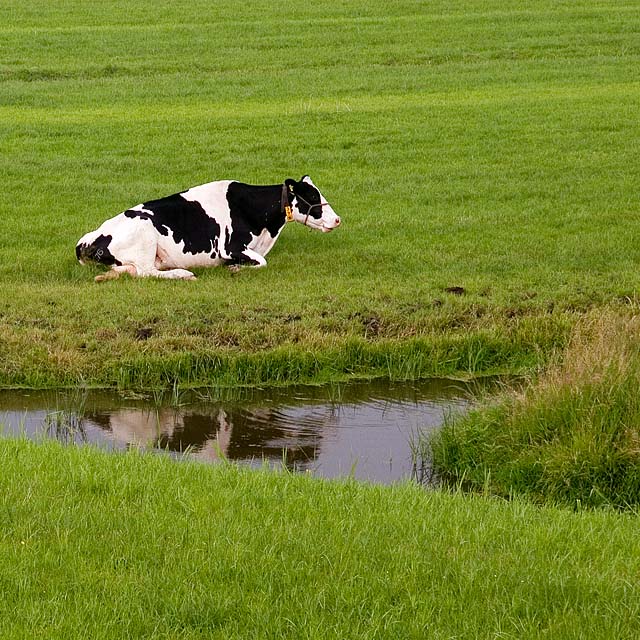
<point x="368" y="430"/>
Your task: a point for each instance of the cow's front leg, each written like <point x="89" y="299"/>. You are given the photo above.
<point x="246" y="257"/>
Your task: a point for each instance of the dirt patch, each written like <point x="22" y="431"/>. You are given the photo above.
<point x="143" y="333"/>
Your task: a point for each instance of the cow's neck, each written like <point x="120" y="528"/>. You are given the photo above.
<point x="262" y="207"/>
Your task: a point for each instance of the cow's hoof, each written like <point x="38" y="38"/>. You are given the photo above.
<point x="178" y="274"/>
<point x="234" y="268"/>
<point x="110" y="275"/>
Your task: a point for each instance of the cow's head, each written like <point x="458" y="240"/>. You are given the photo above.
<point x="310" y="207"/>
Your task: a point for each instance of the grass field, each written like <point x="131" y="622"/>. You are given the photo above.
<point x="98" y="545"/>
<point x="484" y="146"/>
<point x="469" y="145"/>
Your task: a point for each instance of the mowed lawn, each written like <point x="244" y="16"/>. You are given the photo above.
<point x="474" y="144"/>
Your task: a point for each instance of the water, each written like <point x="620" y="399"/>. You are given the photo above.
<point x="365" y="430"/>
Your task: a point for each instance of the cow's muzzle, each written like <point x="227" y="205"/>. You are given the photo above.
<point x="330" y="227"/>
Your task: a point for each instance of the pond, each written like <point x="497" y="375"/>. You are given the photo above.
<point x="367" y="430"/>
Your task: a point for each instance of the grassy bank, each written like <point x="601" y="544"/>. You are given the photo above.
<point x="570" y="436"/>
<point x="160" y="364"/>
<point x="479" y="146"/>
<point x="128" y="545"/>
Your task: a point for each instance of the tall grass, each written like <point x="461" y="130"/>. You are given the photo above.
<point x="443" y="355"/>
<point x="572" y="436"/>
<point x="516" y="346"/>
<point x="105" y="546"/>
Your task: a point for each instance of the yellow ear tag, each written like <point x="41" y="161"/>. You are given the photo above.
<point x="288" y="212"/>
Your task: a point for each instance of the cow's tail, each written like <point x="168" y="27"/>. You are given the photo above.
<point x="81" y="249"/>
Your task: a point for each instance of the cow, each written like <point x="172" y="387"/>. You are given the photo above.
<point x="218" y="223"/>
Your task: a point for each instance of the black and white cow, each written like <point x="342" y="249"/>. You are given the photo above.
<point x="218" y="223"/>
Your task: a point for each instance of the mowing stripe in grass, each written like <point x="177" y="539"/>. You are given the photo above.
<point x="249" y="109"/>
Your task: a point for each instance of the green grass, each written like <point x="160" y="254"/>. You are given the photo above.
<point x="571" y="436"/>
<point x="135" y="545"/>
<point x="474" y="145"/>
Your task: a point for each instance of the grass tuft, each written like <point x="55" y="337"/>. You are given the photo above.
<point x="571" y="436"/>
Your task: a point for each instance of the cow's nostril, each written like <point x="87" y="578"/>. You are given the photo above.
<point x="337" y="221"/>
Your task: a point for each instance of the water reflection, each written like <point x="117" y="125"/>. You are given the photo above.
<point x="363" y="429"/>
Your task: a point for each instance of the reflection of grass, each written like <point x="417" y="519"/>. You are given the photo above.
<point x="572" y="436"/>
<point x="421" y="464"/>
<point x="176" y="397"/>
<point x="97" y="545"/>
<point x="482" y="156"/>
<point x="66" y="423"/>
<point x="65" y="426"/>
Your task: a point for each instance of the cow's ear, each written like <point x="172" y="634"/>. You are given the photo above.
<point x="304" y="178"/>
<point x="291" y="183"/>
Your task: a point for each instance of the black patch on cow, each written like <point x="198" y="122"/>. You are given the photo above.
<point x="253" y="209"/>
<point x="186" y="220"/>
<point x="97" y="251"/>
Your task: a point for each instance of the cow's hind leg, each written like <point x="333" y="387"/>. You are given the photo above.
<point x="116" y="272"/>
<point x="134" y="249"/>
<point x="127" y="246"/>
<point x="171" y="274"/>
